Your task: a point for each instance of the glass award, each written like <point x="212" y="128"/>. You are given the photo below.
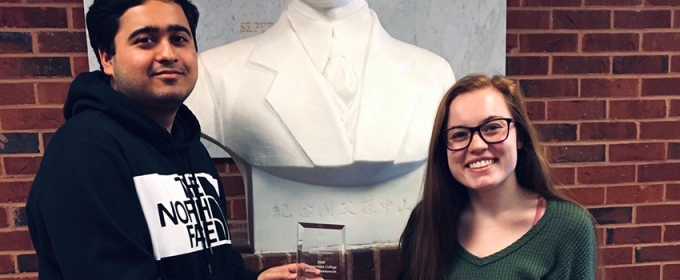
<point x="322" y="246"/>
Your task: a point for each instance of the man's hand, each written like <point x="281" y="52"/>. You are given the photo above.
<point x="3" y="141"/>
<point x="289" y="271"/>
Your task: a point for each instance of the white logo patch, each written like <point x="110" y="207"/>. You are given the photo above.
<point x="177" y="208"/>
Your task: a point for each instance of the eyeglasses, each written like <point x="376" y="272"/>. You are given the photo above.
<point x="491" y="132"/>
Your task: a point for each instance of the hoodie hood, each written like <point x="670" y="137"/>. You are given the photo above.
<point x="92" y="91"/>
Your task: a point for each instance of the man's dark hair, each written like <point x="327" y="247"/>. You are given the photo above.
<point x="103" y="21"/>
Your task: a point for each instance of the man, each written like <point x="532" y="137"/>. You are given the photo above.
<point x="125" y="189"/>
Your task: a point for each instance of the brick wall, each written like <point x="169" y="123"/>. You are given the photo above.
<point x="42" y="46"/>
<point x="603" y="84"/>
<point x="601" y="80"/>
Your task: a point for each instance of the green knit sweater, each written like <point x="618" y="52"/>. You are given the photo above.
<point x="561" y="246"/>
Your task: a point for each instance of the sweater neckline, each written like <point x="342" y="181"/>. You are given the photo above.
<point x="465" y="254"/>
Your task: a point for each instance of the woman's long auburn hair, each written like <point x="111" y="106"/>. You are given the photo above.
<point x="431" y="233"/>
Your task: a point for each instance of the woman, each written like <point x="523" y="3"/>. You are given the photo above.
<point x="489" y="209"/>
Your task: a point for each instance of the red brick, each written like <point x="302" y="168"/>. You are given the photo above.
<point x="80" y="64"/>
<point x="6" y="264"/>
<point x="43" y="118"/>
<point x="608" y="131"/>
<point x="21" y="17"/>
<point x="658" y="213"/>
<point x="634" y="194"/>
<point x="14" y="192"/>
<point x="606" y="174"/>
<point x="617" y="3"/>
<point x="275" y="259"/>
<point x="662" y="2"/>
<point x="526" y="65"/>
<point x="672" y="191"/>
<point x="15" y="42"/>
<point x="640" y="64"/>
<point x="233" y="185"/>
<point x="660" y="130"/>
<point x="17" y="68"/>
<point x="549" y="87"/>
<point x="556" y="132"/>
<point x="59" y="42"/>
<point x="577" y="110"/>
<point x="609" y="88"/>
<point x="22" y="165"/>
<point x="671" y="272"/>
<point x="661" y="87"/>
<point x="637" y="109"/>
<point x="612" y="215"/>
<point x="633" y="272"/>
<point x="52" y="93"/>
<point x="388" y="257"/>
<point x="220" y="164"/>
<point x="659" y="172"/>
<point x="513" y="3"/>
<point x="672" y="233"/>
<point x="668" y="41"/>
<point x="611" y="42"/>
<point x="78" y="18"/>
<point x="642" y="19"/>
<point x="616" y="256"/>
<point x="253" y="262"/>
<point x="637" y="152"/>
<point x="552" y="3"/>
<point x="511" y="43"/>
<point x="17" y="94"/>
<point x="563" y="19"/>
<point x="233" y="167"/>
<point x="240" y="212"/>
<point x="675" y="108"/>
<point x="548" y="42"/>
<point x="3" y="218"/>
<point x="363" y="264"/>
<point x="657" y="254"/>
<point x="581" y="64"/>
<point x="574" y="153"/>
<point x="675" y="62"/>
<point x="15" y="241"/>
<point x="634" y="235"/>
<point x="585" y="196"/>
<point x="528" y="19"/>
<point x="535" y="110"/>
<point x="563" y="175"/>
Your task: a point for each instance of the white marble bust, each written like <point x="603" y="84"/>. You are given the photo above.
<point x="280" y="103"/>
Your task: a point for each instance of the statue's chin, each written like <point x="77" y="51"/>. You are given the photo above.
<point x="326" y="4"/>
<point x="357" y="174"/>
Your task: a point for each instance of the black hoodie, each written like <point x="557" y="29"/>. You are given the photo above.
<point x="118" y="197"/>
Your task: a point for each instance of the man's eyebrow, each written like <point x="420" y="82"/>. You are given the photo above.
<point x="155" y="29"/>
<point x="178" y="28"/>
<point x="145" y="29"/>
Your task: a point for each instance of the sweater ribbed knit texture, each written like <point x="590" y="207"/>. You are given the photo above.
<point x="562" y="245"/>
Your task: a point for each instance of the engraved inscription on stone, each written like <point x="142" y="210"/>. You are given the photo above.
<point x="254" y="26"/>
<point x="325" y="209"/>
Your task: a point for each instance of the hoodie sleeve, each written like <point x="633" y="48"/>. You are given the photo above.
<point x="84" y="216"/>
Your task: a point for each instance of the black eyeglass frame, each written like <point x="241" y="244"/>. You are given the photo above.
<point x="472" y="130"/>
